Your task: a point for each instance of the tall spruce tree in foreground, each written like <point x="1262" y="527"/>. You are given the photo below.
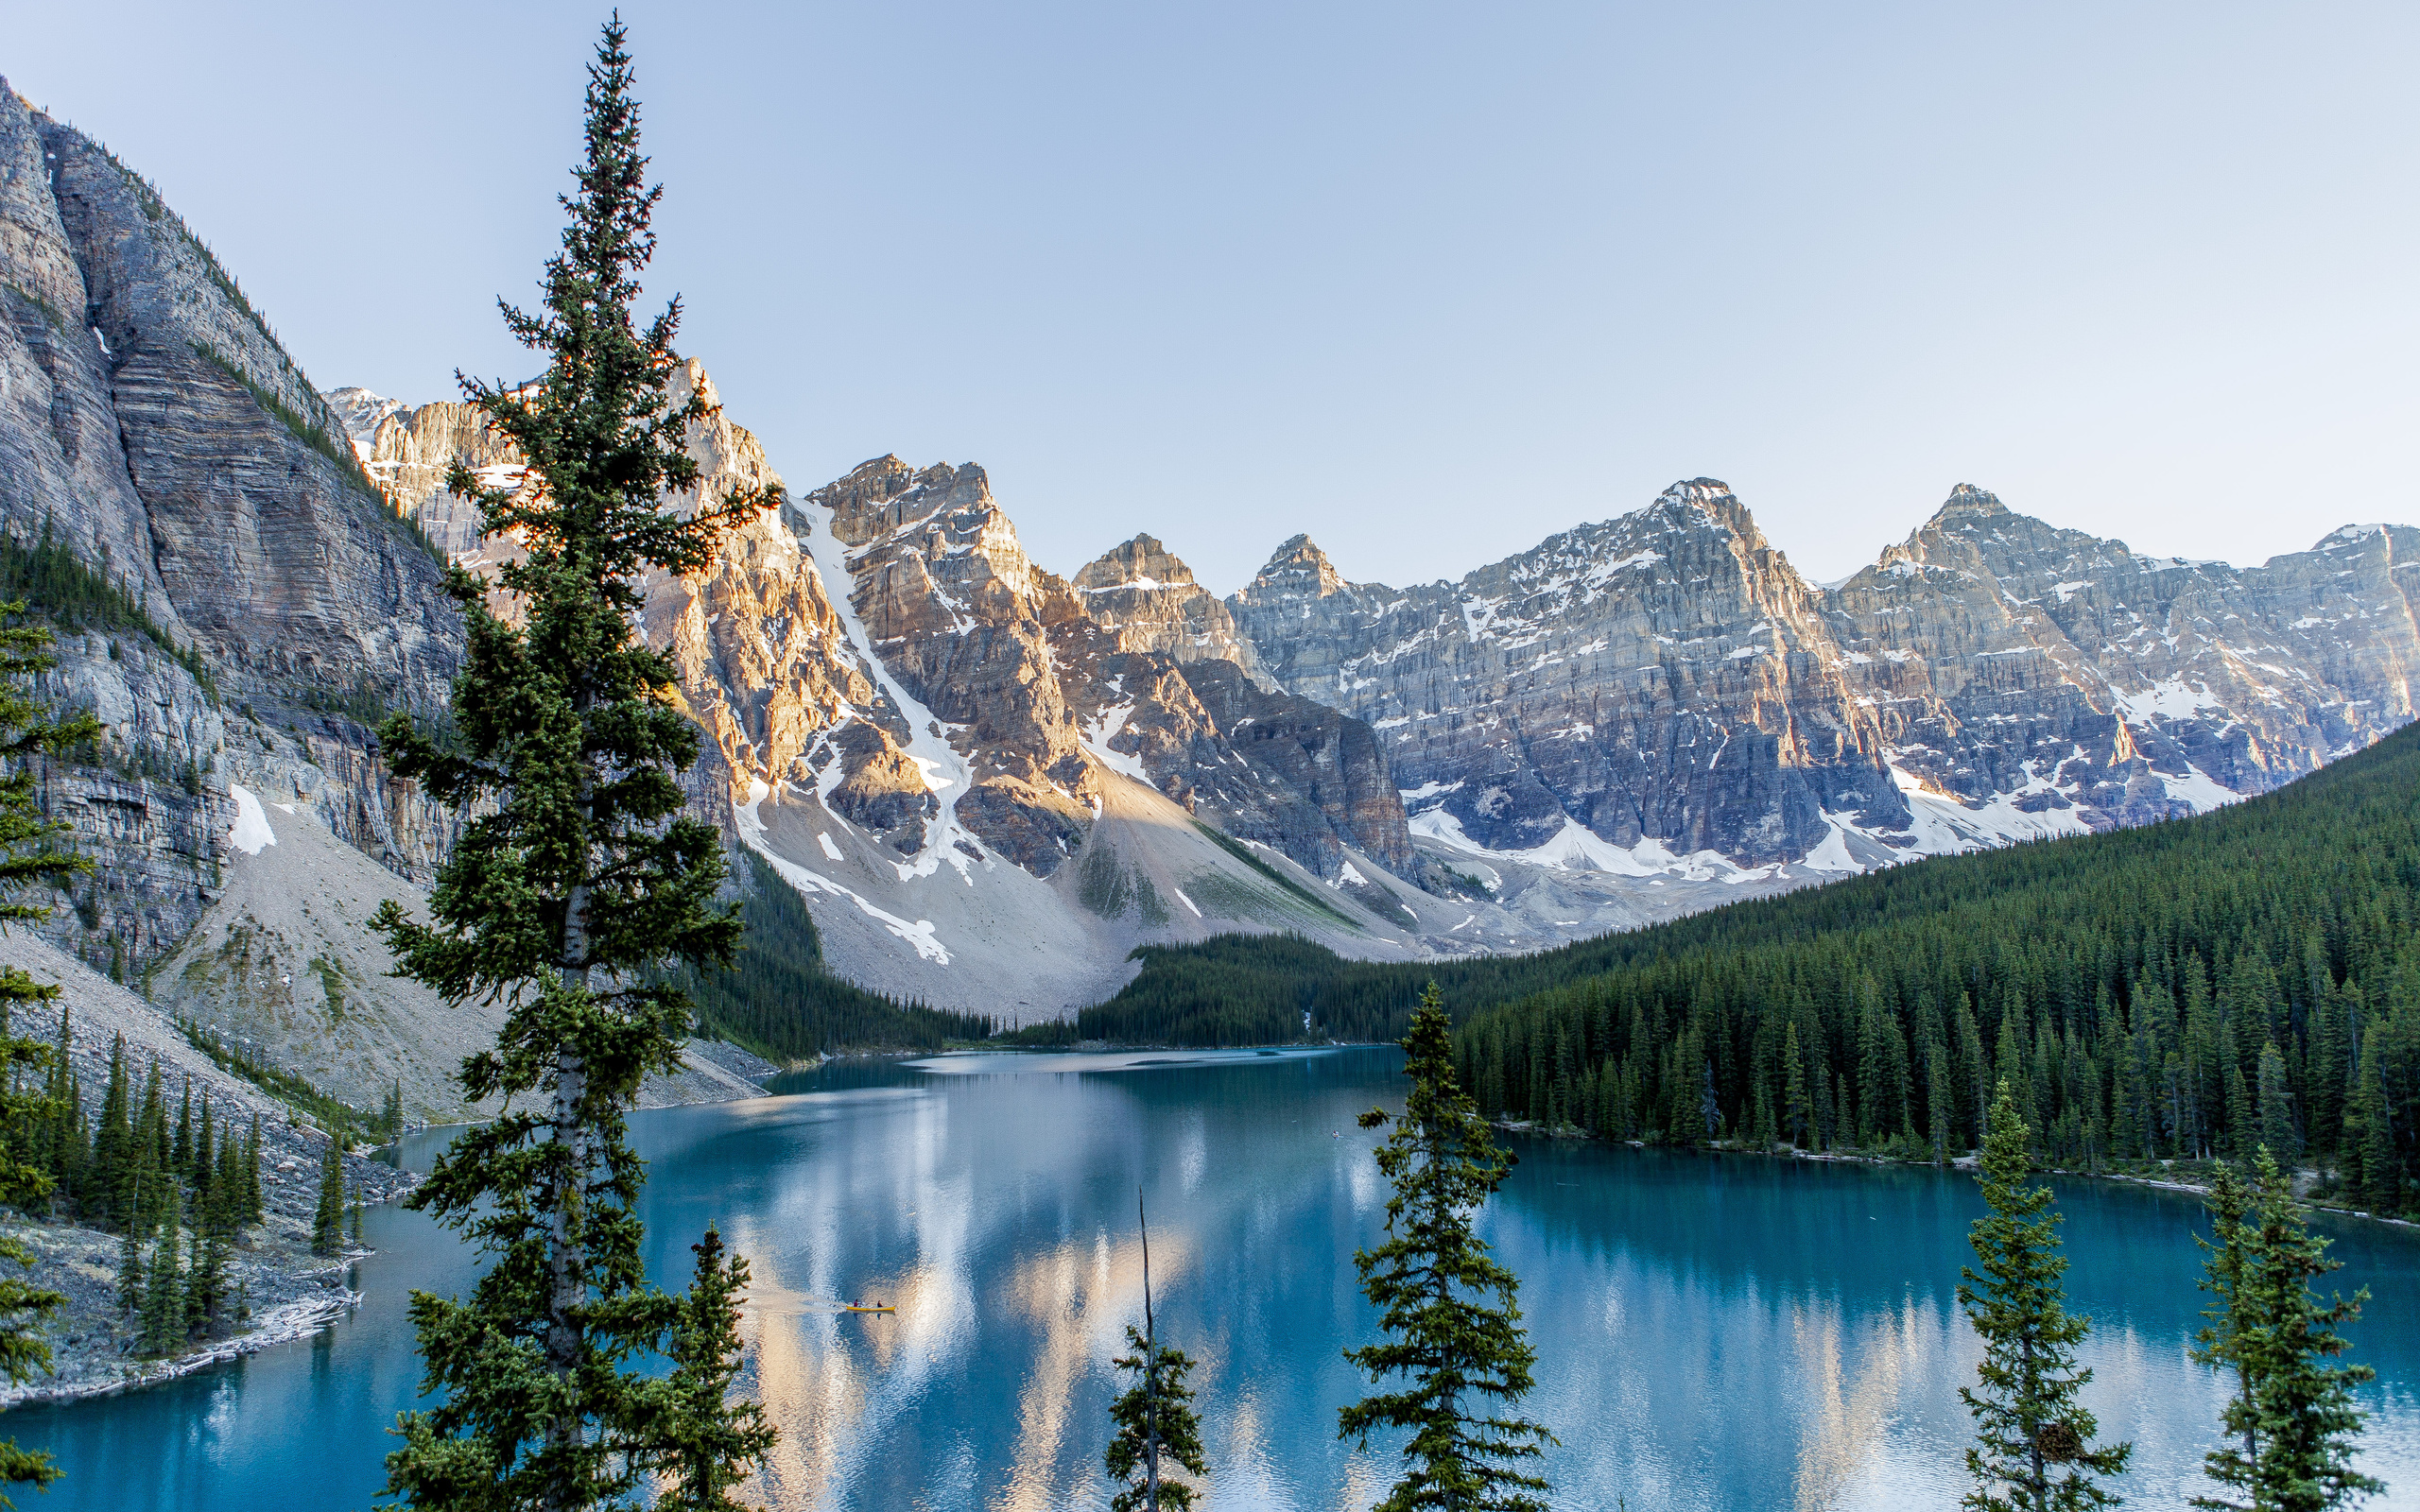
<point x="707" y="1443"/>
<point x="30" y="1079"/>
<point x="1154" y="1417"/>
<point x="575" y="885"/>
<point x="1452" y="1346"/>
<point x="2290" y="1422"/>
<point x="2033" y="1449"/>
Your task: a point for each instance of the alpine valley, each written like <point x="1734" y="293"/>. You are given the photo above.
<point x="991" y="783"/>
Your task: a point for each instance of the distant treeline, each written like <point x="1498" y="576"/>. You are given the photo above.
<point x="2186" y="990"/>
<point x="778" y="1001"/>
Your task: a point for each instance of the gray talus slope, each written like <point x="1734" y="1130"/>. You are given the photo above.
<point x="285" y="964"/>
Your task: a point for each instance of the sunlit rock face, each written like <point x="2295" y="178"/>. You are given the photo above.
<point x="1048" y="683"/>
<point x="1664" y="675"/>
<point x="1140" y="591"/>
<point x="410" y="450"/>
<point x="1666" y="683"/>
<point x="885" y="642"/>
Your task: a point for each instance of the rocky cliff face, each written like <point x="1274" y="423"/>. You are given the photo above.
<point x="152" y="428"/>
<point x="409" y="452"/>
<point x="1660" y="683"/>
<point x="1636" y="690"/>
<point x="1052" y="682"/>
<point x="1148" y="598"/>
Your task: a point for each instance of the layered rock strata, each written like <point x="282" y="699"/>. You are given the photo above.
<point x="269" y="601"/>
<point x="1665" y="685"/>
<point x="1148" y="597"/>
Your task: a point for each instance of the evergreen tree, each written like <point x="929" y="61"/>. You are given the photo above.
<point x="203" y="1157"/>
<point x="201" y="1287"/>
<point x="1154" y="1417"/>
<point x="2277" y="1112"/>
<point x="29" y="852"/>
<point x="709" y="1443"/>
<point x="327" y="1219"/>
<point x="2223" y="1344"/>
<point x="2293" y="1410"/>
<point x="114" y="1176"/>
<point x="2033" y="1449"/>
<point x="67" y="1151"/>
<point x="2371" y="1133"/>
<point x="1431" y="1281"/>
<point x="130" y="1272"/>
<point x="253" y="1210"/>
<point x="577" y="885"/>
<point x="1155" y="1421"/>
<point x="1937" y="1099"/>
<point x="229" y="1189"/>
<point x="163" y="1304"/>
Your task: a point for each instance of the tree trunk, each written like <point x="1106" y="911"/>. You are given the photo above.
<point x="566" y="1250"/>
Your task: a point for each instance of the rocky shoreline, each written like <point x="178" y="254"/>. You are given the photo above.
<point x="291" y="1293"/>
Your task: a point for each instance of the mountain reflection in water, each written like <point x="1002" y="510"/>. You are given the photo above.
<point x="1711" y="1332"/>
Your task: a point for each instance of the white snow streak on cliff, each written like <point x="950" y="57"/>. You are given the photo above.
<point x="945" y="771"/>
<point x="752" y="829"/>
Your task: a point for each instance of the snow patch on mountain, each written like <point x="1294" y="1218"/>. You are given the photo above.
<point x="251" y="831"/>
<point x="749" y="819"/>
<point x="2171" y="699"/>
<point x="1104" y="728"/>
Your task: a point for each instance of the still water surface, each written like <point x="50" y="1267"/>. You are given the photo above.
<point x="1711" y="1334"/>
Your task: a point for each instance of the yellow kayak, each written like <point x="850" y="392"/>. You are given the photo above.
<point x="852" y="1307"/>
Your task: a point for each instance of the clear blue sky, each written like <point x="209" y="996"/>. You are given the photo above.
<point x="1426" y="282"/>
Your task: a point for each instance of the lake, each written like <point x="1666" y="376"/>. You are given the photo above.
<point x="1712" y="1332"/>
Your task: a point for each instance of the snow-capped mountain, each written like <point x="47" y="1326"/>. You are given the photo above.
<point x="992" y="796"/>
<point x="1662" y="694"/>
<point x="992" y="782"/>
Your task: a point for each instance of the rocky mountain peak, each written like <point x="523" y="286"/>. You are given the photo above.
<point x="1702" y="492"/>
<point x="1296" y="569"/>
<point x="1966" y="499"/>
<point x="1699" y="503"/>
<point x="1142" y="562"/>
<point x="1148" y="600"/>
<point x="361" y="413"/>
<point x="887" y="494"/>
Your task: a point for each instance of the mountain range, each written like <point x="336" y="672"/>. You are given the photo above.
<point x="992" y="783"/>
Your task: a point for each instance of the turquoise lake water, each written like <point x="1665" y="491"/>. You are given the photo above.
<point x="1711" y="1332"/>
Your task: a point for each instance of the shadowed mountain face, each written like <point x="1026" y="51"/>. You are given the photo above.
<point x="1666" y="683"/>
<point x="204" y="517"/>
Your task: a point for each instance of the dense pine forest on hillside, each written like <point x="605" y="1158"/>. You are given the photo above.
<point x="2186" y="991"/>
<point x="780" y="1002"/>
